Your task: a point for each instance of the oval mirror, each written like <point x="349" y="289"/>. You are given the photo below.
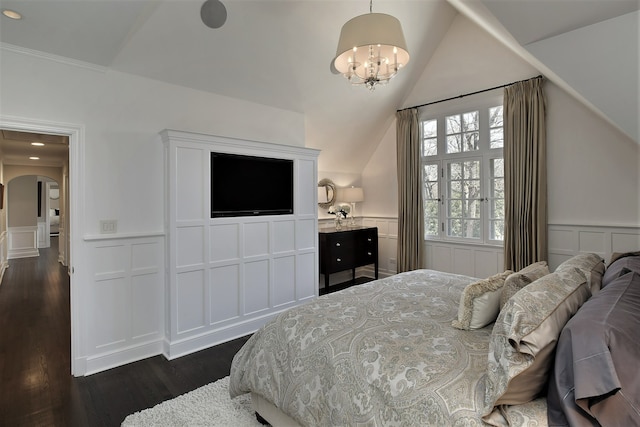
<point x="326" y="193"/>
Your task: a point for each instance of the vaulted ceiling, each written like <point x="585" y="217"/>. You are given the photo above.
<point x="278" y="52"/>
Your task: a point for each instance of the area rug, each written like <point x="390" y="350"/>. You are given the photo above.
<point x="208" y="406"/>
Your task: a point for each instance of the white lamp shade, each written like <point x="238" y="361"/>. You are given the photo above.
<point x="353" y="194"/>
<point x="372" y="29"/>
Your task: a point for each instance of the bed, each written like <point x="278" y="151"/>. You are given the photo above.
<point x="54" y="222"/>
<point x="419" y="348"/>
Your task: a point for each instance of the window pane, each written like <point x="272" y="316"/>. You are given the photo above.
<point x="471" y="229"/>
<point x="455" y="227"/>
<point x="455" y="171"/>
<point x="495" y="117"/>
<point x="431" y="190"/>
<point x="431" y="227"/>
<point x="454" y="143"/>
<point x="496" y="134"/>
<point x="471" y="141"/>
<point x="496" y="199"/>
<point x="455" y="190"/>
<point x="430" y="147"/>
<point x="453" y="124"/>
<point x="430" y="129"/>
<point x="431" y="172"/>
<point x="472" y="169"/>
<point x="470" y="121"/>
<point x="497" y="230"/>
<point x="455" y="208"/>
<point x="496" y="138"/>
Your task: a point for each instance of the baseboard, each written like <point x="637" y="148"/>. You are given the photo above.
<point x="23" y="253"/>
<point x="102" y="362"/>
<point x="185" y="346"/>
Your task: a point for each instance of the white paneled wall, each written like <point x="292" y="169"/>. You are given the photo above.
<point x="126" y="300"/>
<point x="22" y="242"/>
<point x="568" y="240"/>
<point x="228" y="276"/>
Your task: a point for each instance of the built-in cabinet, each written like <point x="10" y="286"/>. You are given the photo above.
<point x="226" y="277"/>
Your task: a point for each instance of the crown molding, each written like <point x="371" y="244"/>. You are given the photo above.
<point x="52" y="57"/>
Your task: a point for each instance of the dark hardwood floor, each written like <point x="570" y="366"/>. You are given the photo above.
<point x="36" y="386"/>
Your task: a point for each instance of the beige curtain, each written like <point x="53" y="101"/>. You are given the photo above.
<point x="525" y="172"/>
<point x="410" y="210"/>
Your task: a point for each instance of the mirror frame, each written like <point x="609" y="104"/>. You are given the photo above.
<point x="328" y="185"/>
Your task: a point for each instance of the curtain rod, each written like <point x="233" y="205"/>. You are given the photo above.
<point x="472" y="93"/>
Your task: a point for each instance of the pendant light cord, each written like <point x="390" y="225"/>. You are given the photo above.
<point x="370" y="6"/>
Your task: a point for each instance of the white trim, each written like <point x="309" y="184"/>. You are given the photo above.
<point x="75" y="133"/>
<point x="52" y="57"/>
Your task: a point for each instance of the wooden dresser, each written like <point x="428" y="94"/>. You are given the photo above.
<point x="346" y="249"/>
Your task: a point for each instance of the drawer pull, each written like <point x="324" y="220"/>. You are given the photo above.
<point x="369" y="239"/>
<point x="369" y="253"/>
<point x="337" y="244"/>
<point x="338" y="259"/>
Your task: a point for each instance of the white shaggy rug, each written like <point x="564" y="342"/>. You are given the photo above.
<point x="208" y="406"/>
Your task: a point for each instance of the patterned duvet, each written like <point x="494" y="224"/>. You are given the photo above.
<point x="379" y="354"/>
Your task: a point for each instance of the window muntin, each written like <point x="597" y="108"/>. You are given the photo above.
<point x="463" y="175"/>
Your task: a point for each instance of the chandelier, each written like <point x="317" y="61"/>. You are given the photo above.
<point x="371" y="49"/>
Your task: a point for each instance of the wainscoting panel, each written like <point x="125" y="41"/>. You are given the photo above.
<point x="23" y="242"/>
<point x="469" y="260"/>
<point x="566" y="241"/>
<point x="228" y="276"/>
<point x="125" y="300"/>
<point x="190" y="298"/>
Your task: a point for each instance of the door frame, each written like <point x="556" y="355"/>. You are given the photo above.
<point x="76" y="200"/>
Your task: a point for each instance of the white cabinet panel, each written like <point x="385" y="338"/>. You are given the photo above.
<point x="189" y="246"/>
<point x="284" y="281"/>
<point x="306" y="200"/>
<point x="283" y="236"/>
<point x="190" y="184"/>
<point x="225" y="293"/>
<point x="256" y="239"/>
<point x="224" y="242"/>
<point x="306" y="276"/>
<point x="190" y="301"/>
<point x="306" y="234"/>
<point x="256" y="286"/>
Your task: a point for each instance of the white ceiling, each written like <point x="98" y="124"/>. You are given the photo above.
<point x="274" y="52"/>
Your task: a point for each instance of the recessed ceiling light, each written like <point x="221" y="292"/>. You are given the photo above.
<point x="11" y="14"/>
<point x="38" y="144"/>
<point x="34" y="158"/>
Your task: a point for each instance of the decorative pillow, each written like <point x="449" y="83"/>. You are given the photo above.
<point x="591" y="265"/>
<point x="619" y="262"/>
<point x="524" y="338"/>
<point x="480" y="302"/>
<point x="522" y="278"/>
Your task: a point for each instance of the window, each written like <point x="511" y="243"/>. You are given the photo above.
<point x="463" y="174"/>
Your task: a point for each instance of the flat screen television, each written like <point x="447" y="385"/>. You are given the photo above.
<point x="249" y="186"/>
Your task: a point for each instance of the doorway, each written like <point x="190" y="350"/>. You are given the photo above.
<point x="70" y="184"/>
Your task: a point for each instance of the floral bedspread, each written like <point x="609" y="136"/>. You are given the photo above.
<point x="378" y="354"/>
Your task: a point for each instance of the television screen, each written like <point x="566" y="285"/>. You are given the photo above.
<point x="249" y="186"/>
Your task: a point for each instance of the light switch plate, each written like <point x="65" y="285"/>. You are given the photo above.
<point x="108" y="226"/>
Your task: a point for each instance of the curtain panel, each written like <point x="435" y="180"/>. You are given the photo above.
<point x="525" y="170"/>
<point x="410" y="209"/>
